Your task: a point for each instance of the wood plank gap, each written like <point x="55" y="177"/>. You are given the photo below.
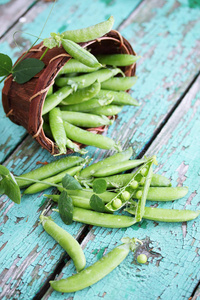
<point x="82" y="235"/>
<point x="196" y="293"/>
<point x="166" y="119"/>
<point x="17" y="20"/>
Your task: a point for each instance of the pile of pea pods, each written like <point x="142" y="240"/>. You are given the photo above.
<point x="88" y="92"/>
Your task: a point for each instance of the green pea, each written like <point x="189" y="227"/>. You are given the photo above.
<point x="142" y="181"/>
<point x="117" y="203"/>
<point x="88" y="138"/>
<point x="66" y="241"/>
<point x="82" y="95"/>
<point x="75" y="66"/>
<point x="119" y="83"/>
<point x="108" y="110"/>
<point x="57" y="129"/>
<point x="138" y="194"/>
<point x="85" y="119"/>
<point x="120" y="60"/>
<point x="125" y="195"/>
<point x="143" y="171"/>
<point x="49" y="169"/>
<point x="119" y="98"/>
<point x="85" y="80"/>
<point x="54" y="99"/>
<point x="79" y="53"/>
<point x="89" y="33"/>
<point x="142" y="258"/>
<point x="134" y="184"/>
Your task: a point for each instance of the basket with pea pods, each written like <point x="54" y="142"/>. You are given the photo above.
<point x="79" y="90"/>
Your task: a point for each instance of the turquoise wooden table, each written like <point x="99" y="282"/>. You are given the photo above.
<point x="166" y="34"/>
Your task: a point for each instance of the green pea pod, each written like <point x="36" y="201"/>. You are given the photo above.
<point x="119" y="98"/>
<point x="119" y="83"/>
<point x="97" y="271"/>
<point x="85" y="119"/>
<point x="88" y="138"/>
<point x="66" y="241"/>
<point x="48" y="170"/>
<point x="50" y="91"/>
<point x="166" y="193"/>
<point x="89" y="33"/>
<point x="75" y="66"/>
<point x="57" y="129"/>
<point x="38" y="187"/>
<point x="108" y="110"/>
<point x="54" y="99"/>
<point x="167" y="215"/>
<point x="82" y="95"/>
<point x="85" y="80"/>
<point x="47" y="130"/>
<point x="119" y="167"/>
<point x="120" y="60"/>
<point x="79" y="53"/>
<point x="86" y="106"/>
<point x="122" y="156"/>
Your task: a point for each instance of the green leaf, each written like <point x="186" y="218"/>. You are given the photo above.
<point x="5" y="64"/>
<point x="97" y="203"/>
<point x="50" y="43"/>
<point x="65" y="206"/>
<point x="99" y="186"/>
<point x="27" y="69"/>
<point x="70" y="183"/>
<point x="4" y="171"/>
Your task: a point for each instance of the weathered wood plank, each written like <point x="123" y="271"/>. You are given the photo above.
<point x="63" y="17"/>
<point x="173" y="272"/>
<point x="11" y="11"/>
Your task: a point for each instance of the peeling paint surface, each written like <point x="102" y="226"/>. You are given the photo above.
<point x="166" y="35"/>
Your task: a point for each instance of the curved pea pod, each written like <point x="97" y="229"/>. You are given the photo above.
<point x="87" y="106"/>
<point x="66" y="241"/>
<point x="120" y="60"/>
<point x="122" y="156"/>
<point x="167" y="215"/>
<point x="85" y="119"/>
<point x="119" y="167"/>
<point x="85" y="80"/>
<point x="119" y="83"/>
<point x="57" y="129"/>
<point x="82" y="95"/>
<point x="54" y="99"/>
<point x="79" y="53"/>
<point x="95" y="272"/>
<point x="48" y="170"/>
<point x="166" y="193"/>
<point x="108" y="110"/>
<point x="89" y="33"/>
<point x="38" y="187"/>
<point x="88" y="138"/>
<point x="119" y="98"/>
<point x="75" y="66"/>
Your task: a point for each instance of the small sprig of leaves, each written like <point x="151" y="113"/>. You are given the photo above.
<point x="99" y="187"/>
<point x="8" y="185"/>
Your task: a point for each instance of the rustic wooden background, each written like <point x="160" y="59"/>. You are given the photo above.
<point x="166" y="34"/>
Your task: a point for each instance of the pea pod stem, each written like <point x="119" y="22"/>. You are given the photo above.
<point x="66" y="241"/>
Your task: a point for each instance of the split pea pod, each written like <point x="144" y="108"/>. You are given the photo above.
<point x="75" y="66"/>
<point x="88" y="138"/>
<point x="85" y="119"/>
<point x="107" y="110"/>
<point x="79" y="53"/>
<point x="119" y="83"/>
<point x="82" y="95"/>
<point x="86" y="106"/>
<point x="85" y="80"/>
<point x="119" y="98"/>
<point x="120" y="60"/>
<point x="54" y="99"/>
<point x="57" y="129"/>
<point x="66" y="241"/>
<point x="38" y="187"/>
<point x="119" y="167"/>
<point x="118" y="181"/>
<point x="48" y="170"/>
<point x="89" y="33"/>
<point x="167" y="215"/>
<point x="122" y="156"/>
<point x="95" y="272"/>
